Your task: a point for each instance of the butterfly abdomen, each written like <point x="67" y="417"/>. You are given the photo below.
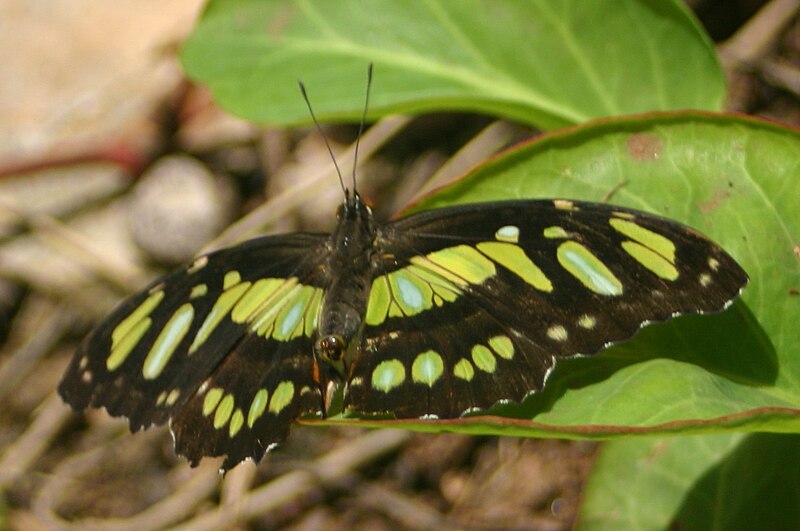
<point x="349" y="267"/>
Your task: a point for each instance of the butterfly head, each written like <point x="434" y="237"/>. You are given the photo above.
<point x="353" y="208"/>
<point x="331" y="350"/>
<point x="330" y="367"/>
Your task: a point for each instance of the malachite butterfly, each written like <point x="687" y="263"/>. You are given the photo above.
<point x="433" y="315"/>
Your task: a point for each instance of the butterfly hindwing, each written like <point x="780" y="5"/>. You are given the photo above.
<point x="249" y="402"/>
<point x="457" y="360"/>
<point x="472" y="305"/>
<point x="232" y="324"/>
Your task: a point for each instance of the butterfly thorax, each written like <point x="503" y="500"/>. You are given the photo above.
<point x="344" y="305"/>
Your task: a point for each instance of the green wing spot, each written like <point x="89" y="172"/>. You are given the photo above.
<point x="388" y="375"/>
<point x="484" y="359"/>
<point x="412" y="294"/>
<point x="144" y="309"/>
<point x="173" y="396"/>
<point x="257" y="297"/>
<point x="464" y="263"/>
<point x="507" y="233"/>
<point x="464" y="370"/>
<point x="282" y="318"/>
<point x="211" y="400"/>
<point x="237" y="421"/>
<point x="379" y="300"/>
<point x="555" y="233"/>
<point x="513" y="258"/>
<point x="312" y="313"/>
<point x="198" y="291"/>
<point x="588" y="269"/>
<point x="440" y="285"/>
<point x="224" y="411"/>
<point x="218" y="312"/>
<point x="281" y="397"/>
<point x="126" y="344"/>
<point x="646" y="237"/>
<point x="410" y="290"/>
<point x="289" y="321"/>
<point x="427" y="368"/>
<point x="167" y="341"/>
<point x="423" y="263"/>
<point x="257" y="407"/>
<point x="651" y="260"/>
<point x="230" y="279"/>
<point x="502" y="346"/>
<point x="620" y="214"/>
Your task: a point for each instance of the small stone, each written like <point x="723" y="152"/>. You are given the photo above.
<point x="177" y="207"/>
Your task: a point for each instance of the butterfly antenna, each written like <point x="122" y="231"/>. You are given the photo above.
<point x="325" y="138"/>
<point x="361" y="125"/>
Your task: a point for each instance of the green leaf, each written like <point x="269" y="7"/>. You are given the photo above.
<point x="702" y="482"/>
<point x="547" y="63"/>
<point x="641" y="483"/>
<point x="734" y="179"/>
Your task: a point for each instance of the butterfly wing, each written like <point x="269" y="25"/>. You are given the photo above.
<point x="220" y="348"/>
<point x="473" y="305"/>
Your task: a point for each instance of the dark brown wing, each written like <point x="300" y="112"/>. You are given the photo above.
<point x="221" y="348"/>
<point x="473" y="305"/>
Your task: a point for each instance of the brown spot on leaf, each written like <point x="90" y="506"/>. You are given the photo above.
<point x="645" y="146"/>
<point x="714" y="201"/>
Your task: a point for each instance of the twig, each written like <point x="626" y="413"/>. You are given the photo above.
<point x="203" y="482"/>
<point x="74" y="245"/>
<point x="755" y="39"/>
<point x="26" y="450"/>
<point x="491" y="139"/>
<point x="271" y="211"/>
<point x="294" y="485"/>
<point x="38" y="328"/>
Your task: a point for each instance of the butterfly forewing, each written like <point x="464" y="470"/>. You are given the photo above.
<point x="472" y="305"/>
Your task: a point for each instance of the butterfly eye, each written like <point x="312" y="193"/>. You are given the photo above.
<point x="331" y="349"/>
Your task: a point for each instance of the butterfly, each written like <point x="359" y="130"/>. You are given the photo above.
<point x="433" y="315"/>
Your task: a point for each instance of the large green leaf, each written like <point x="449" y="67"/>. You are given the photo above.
<point x="734" y="179"/>
<point x="639" y="484"/>
<point x="544" y="62"/>
<point x="726" y="481"/>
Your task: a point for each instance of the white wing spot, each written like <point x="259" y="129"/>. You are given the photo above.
<point x="564" y="204"/>
<point x="557" y="333"/>
<point x="508" y="233"/>
<point x="198" y="264"/>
